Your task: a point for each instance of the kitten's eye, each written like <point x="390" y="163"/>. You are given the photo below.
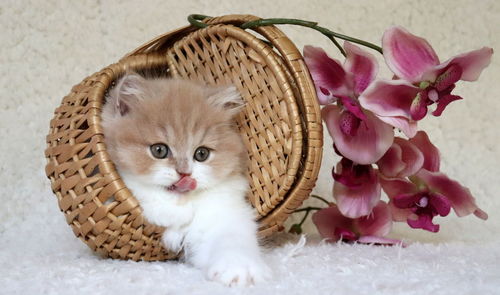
<point x="159" y="150"/>
<point x="201" y="154"/>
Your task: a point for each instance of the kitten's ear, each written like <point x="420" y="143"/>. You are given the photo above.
<point x="227" y="98"/>
<point x="128" y="91"/>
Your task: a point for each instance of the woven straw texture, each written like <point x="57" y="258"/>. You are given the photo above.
<point x="280" y="125"/>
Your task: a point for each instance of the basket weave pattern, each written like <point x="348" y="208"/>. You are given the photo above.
<point x="280" y="125"/>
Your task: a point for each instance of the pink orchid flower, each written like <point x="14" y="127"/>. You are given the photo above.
<point x="356" y="188"/>
<point x="358" y="134"/>
<point x="371" y="229"/>
<point x="424" y="80"/>
<point x="417" y="206"/>
<point x="406" y="157"/>
<point x="429" y="193"/>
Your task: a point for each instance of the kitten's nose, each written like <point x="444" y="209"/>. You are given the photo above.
<point x="183" y="174"/>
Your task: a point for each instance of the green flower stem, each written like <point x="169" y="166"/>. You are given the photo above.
<point x="296" y="22"/>
<point x="307" y="209"/>
<point x="304" y="218"/>
<point x="297" y="227"/>
<point x="320" y="198"/>
<point x="195" y="20"/>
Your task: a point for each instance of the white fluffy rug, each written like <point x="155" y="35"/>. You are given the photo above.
<point x="48" y="46"/>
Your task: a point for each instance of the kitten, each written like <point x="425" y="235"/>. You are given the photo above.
<point x="176" y="147"/>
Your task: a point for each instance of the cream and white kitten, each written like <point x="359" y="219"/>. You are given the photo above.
<point x="176" y="147"/>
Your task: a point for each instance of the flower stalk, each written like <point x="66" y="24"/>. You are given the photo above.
<point x="196" y="20"/>
<point x="297" y="227"/>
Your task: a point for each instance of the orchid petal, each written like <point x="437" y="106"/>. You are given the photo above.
<point x="379" y="241"/>
<point x="328" y="75"/>
<point x="328" y="220"/>
<point x="430" y="152"/>
<point x="345" y="234"/>
<point x="448" y="78"/>
<point x="481" y="214"/>
<point x="389" y="98"/>
<point x="391" y="163"/>
<point x="349" y="123"/>
<point x="460" y="197"/>
<point x="405" y="201"/>
<point x="440" y="203"/>
<point x="407" y="126"/>
<point x="399" y="214"/>
<point x="418" y="108"/>
<point x="443" y="102"/>
<point x="424" y="221"/>
<point x="372" y="139"/>
<point x="397" y="186"/>
<point x="412" y="156"/>
<point x="472" y="63"/>
<point x="409" y="155"/>
<point x="352" y="106"/>
<point x="359" y="201"/>
<point x="407" y="55"/>
<point x="349" y="173"/>
<point x="378" y="223"/>
<point x="362" y="64"/>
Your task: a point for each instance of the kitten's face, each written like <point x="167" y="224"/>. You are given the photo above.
<point x="173" y="134"/>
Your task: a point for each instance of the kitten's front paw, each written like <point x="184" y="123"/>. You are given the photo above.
<point x="239" y="270"/>
<point x="172" y="240"/>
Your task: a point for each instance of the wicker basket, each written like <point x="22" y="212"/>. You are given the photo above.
<point x="281" y="127"/>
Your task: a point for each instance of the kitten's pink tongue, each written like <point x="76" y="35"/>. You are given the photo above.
<point x="185" y="184"/>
